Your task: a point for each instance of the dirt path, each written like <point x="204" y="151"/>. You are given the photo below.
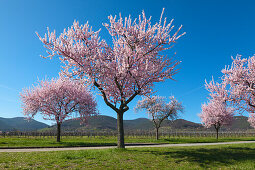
<point x="107" y="147"/>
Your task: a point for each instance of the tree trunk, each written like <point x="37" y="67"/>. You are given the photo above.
<point x="120" y="128"/>
<point x="217" y="133"/>
<point x="157" y="135"/>
<point x="58" y="131"/>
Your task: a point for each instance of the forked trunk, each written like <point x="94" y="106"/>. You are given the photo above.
<point x="120" y="128"/>
<point x="58" y="131"/>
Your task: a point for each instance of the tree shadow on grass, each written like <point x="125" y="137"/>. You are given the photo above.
<point x="206" y="140"/>
<point x="208" y="157"/>
<point x="59" y="145"/>
<point x="85" y="144"/>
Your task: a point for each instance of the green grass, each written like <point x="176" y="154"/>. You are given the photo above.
<point x="103" y="141"/>
<point x="238" y="156"/>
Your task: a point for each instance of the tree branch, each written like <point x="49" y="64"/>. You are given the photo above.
<point x="249" y="103"/>
<point x="105" y="98"/>
<point x="132" y="97"/>
<point x="152" y="49"/>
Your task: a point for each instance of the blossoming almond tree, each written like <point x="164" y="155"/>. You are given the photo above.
<point x="58" y="100"/>
<point x="216" y="114"/>
<point x="130" y="67"/>
<point x="218" y="91"/>
<point x="251" y="120"/>
<point x="241" y="78"/>
<point x="158" y="110"/>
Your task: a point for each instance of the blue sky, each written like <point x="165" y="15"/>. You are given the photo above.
<point x="216" y="30"/>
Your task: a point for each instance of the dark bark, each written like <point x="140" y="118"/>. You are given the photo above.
<point x="120" y="128"/>
<point x="120" y="111"/>
<point x="58" y="131"/>
<point x="157" y="134"/>
<point x="217" y="132"/>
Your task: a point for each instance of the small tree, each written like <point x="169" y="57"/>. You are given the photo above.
<point x="58" y="100"/>
<point x="130" y="67"/>
<point x="216" y="114"/>
<point x="251" y="120"/>
<point x="158" y="110"/>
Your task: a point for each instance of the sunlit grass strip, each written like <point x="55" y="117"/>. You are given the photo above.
<point x="16" y="142"/>
<point x="238" y="156"/>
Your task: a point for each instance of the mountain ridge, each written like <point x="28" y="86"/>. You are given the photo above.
<point x="20" y="124"/>
<point x="108" y="123"/>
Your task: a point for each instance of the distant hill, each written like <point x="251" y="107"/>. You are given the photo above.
<point x="138" y="124"/>
<point x="239" y="123"/>
<point x="20" y="124"/>
<point x="108" y="123"/>
<point x="98" y="123"/>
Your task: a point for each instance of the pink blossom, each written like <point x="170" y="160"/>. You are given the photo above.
<point x="130" y="66"/>
<point x="58" y="100"/>
<point x="216" y="114"/>
<point x="241" y="78"/>
<point x="121" y="71"/>
<point x="218" y="91"/>
<point x="251" y="120"/>
<point x="159" y="110"/>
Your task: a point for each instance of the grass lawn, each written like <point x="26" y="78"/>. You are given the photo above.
<point x="102" y="141"/>
<point x="237" y="156"/>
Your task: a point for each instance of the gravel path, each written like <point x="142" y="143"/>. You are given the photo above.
<point x="107" y="147"/>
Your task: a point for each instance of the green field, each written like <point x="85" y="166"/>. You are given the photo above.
<point x="103" y="141"/>
<point x="237" y="156"/>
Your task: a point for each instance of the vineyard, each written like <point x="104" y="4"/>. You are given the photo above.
<point x="135" y="134"/>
